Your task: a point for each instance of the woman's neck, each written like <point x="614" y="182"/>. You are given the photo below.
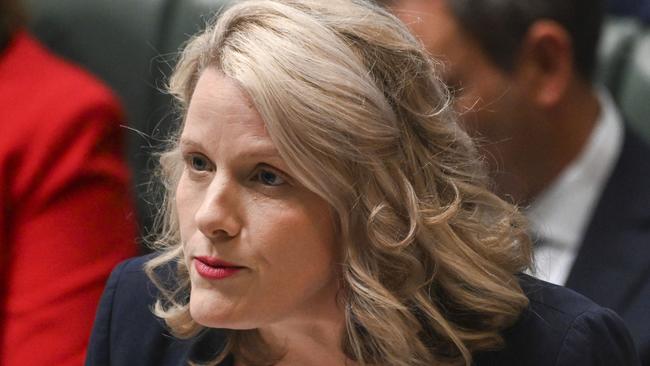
<point x="316" y="346"/>
<point x="313" y="338"/>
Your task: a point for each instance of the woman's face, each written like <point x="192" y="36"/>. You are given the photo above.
<point x="259" y="247"/>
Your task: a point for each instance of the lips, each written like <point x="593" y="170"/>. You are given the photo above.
<point x="214" y="268"/>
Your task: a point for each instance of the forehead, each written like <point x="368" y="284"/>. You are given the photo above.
<point x="219" y="105"/>
<point x="216" y="94"/>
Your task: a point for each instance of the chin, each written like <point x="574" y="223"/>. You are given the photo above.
<point x="203" y="316"/>
<point x="212" y="313"/>
<point x="206" y="311"/>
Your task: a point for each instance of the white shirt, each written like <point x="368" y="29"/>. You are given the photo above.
<point x="559" y="216"/>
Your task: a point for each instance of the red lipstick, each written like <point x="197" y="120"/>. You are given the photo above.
<point x="214" y="268"/>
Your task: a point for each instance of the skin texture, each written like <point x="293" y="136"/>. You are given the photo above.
<point x="237" y="201"/>
<point x="530" y="122"/>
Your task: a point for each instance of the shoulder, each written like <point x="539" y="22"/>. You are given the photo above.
<point x="561" y="327"/>
<point x="631" y="161"/>
<point x="47" y="67"/>
<point x="129" y="275"/>
<point x="50" y="86"/>
<point x="126" y="331"/>
<point x="131" y="291"/>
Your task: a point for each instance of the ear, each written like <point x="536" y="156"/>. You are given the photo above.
<point x="545" y="63"/>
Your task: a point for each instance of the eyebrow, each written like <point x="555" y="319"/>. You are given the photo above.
<point x="265" y="150"/>
<point x="189" y="143"/>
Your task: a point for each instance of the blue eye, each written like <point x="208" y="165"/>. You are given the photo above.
<point x="199" y="163"/>
<point x="269" y="178"/>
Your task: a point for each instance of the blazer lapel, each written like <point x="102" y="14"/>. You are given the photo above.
<point x="614" y="260"/>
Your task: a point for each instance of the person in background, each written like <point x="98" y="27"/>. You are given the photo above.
<point x="522" y="72"/>
<point x="639" y="9"/>
<point x="66" y="215"/>
<point x="325" y="208"/>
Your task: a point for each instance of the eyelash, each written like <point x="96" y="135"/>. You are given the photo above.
<point x="192" y="159"/>
<point x="260" y="171"/>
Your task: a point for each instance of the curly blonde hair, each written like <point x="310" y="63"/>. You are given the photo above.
<point x="357" y="110"/>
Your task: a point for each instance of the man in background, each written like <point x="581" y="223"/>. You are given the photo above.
<point x="639" y="9"/>
<point x="522" y="72"/>
<point x="66" y="212"/>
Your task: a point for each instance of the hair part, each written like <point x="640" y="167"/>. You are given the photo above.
<point x="510" y="20"/>
<point x="357" y="110"/>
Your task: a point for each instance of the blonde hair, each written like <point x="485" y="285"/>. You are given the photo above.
<point x="358" y="112"/>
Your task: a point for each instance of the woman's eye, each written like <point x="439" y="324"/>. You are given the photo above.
<point x="269" y="178"/>
<point x="198" y="163"/>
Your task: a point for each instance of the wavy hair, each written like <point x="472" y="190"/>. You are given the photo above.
<point x="357" y="110"/>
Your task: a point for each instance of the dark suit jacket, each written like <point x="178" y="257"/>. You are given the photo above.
<point x="613" y="265"/>
<point x="630" y="8"/>
<point x="560" y="328"/>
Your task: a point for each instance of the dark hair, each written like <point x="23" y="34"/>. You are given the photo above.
<point x="499" y="26"/>
<point x="12" y="16"/>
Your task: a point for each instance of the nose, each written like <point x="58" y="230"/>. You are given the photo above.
<point x="217" y="216"/>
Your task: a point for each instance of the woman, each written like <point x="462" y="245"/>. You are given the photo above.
<point x="325" y="209"/>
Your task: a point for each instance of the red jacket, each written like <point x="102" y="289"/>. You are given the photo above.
<point x="66" y="214"/>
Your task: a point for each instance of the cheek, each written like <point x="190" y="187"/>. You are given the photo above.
<point x="486" y="109"/>
<point x="295" y="229"/>
<point x="300" y="243"/>
<point x="186" y="200"/>
<point x="300" y="271"/>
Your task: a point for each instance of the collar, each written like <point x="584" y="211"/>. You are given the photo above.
<point x="561" y="213"/>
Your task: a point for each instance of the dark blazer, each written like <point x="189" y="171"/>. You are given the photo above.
<point x="560" y="328"/>
<point x="613" y="265"/>
<point x="639" y="9"/>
